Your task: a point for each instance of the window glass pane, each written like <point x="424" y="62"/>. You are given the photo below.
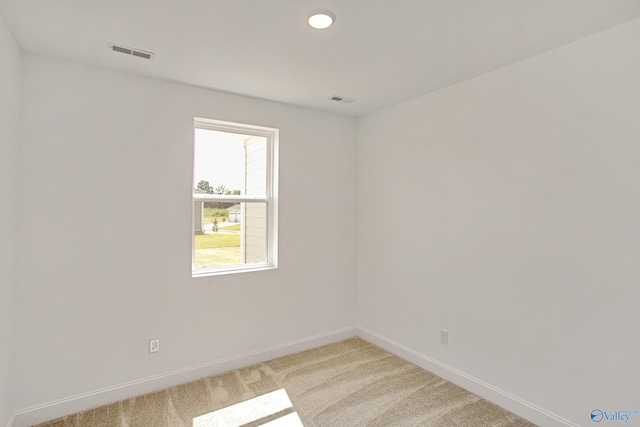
<point x="216" y="239"/>
<point x="219" y="162"/>
<point x="238" y="238"/>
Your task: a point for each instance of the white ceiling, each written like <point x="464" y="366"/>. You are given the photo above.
<point x="379" y="52"/>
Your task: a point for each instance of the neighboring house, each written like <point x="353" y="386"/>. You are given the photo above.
<point x="235" y="213"/>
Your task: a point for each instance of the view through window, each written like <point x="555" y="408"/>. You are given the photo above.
<point x="234" y="203"/>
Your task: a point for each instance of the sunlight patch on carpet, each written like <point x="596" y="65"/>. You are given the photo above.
<point x="252" y="410"/>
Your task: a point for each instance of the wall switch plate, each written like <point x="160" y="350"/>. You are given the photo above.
<point x="444" y="337"/>
<point x="154" y="345"/>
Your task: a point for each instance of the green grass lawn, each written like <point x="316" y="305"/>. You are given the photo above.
<point x="216" y="240"/>
<point x="235" y="227"/>
<point x="217" y="257"/>
<point x="212" y="250"/>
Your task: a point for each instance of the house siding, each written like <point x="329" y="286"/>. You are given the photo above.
<point x="255" y="214"/>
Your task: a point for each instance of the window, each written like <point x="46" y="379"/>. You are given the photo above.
<point x="234" y="197"/>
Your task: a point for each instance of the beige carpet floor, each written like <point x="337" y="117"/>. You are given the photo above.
<point x="349" y="383"/>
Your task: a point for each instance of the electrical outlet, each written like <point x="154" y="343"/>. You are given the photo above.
<point x="444" y="337"/>
<point x="154" y="345"/>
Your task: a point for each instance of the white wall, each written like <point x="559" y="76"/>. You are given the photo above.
<point x="106" y="233"/>
<point x="506" y="209"/>
<point x="9" y="139"/>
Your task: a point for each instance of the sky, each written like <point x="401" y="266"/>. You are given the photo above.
<point x="219" y="159"/>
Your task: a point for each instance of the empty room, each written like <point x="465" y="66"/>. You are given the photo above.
<point x="319" y="213"/>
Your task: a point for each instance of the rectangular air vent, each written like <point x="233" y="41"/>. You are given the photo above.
<point x="131" y="51"/>
<point x="341" y="99"/>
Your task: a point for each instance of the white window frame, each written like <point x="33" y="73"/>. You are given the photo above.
<point x="270" y="198"/>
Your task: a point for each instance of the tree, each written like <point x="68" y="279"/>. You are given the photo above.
<point x="205" y="187"/>
<point x="220" y="189"/>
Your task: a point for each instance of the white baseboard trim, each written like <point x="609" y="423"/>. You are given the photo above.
<point x="518" y="406"/>
<point x="58" y="408"/>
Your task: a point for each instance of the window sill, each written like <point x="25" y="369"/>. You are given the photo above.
<point x="221" y="271"/>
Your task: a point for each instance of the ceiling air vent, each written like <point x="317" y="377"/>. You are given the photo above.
<point x="131" y="51"/>
<point x="341" y="99"/>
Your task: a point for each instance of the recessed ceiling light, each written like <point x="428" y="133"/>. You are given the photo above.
<point x="321" y="18"/>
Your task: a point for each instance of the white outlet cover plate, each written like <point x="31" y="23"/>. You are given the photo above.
<point x="444" y="337"/>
